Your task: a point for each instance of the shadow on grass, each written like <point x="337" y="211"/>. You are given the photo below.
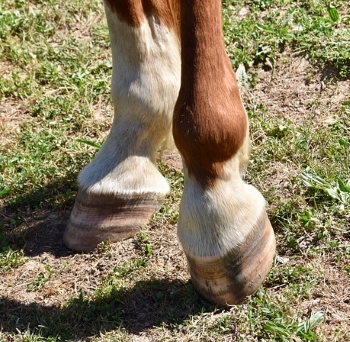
<point x="332" y="72"/>
<point x="35" y="220"/>
<point x="150" y="303"/>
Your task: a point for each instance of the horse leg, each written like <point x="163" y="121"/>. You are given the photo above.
<point x="223" y="227"/>
<point x="121" y="188"/>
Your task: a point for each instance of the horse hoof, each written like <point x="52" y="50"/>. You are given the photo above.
<point x="97" y="218"/>
<point x="229" y="279"/>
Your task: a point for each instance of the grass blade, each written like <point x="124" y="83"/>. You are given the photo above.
<point x="333" y="13"/>
<point x="90" y="143"/>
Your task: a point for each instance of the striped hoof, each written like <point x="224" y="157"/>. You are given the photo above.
<point x="97" y="218"/>
<point x="230" y="279"/>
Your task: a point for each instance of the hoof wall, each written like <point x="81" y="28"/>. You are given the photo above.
<point x="98" y="218"/>
<point x="228" y="280"/>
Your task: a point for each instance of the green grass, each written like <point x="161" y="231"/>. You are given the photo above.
<point x="9" y="258"/>
<point x="268" y="28"/>
<point x="55" y="67"/>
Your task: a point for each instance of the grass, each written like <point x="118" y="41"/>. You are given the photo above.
<point x="313" y="29"/>
<point x="9" y="258"/>
<point x="55" y="68"/>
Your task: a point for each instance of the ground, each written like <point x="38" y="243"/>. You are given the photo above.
<point x="139" y="289"/>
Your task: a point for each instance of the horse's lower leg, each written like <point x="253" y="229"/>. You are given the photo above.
<point x="223" y="226"/>
<point x="120" y="189"/>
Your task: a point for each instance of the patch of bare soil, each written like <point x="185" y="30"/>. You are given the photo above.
<point x="6" y="69"/>
<point x="295" y="91"/>
<point x="12" y="113"/>
<point x="81" y="29"/>
<point x="332" y="296"/>
<point x="102" y="118"/>
<point x="172" y="159"/>
<point x="12" y="116"/>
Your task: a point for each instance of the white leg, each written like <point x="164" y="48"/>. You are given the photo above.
<point x="120" y="189"/>
<point x="226" y="236"/>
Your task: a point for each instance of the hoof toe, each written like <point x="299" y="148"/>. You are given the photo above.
<point x="97" y="218"/>
<point x="229" y="279"/>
